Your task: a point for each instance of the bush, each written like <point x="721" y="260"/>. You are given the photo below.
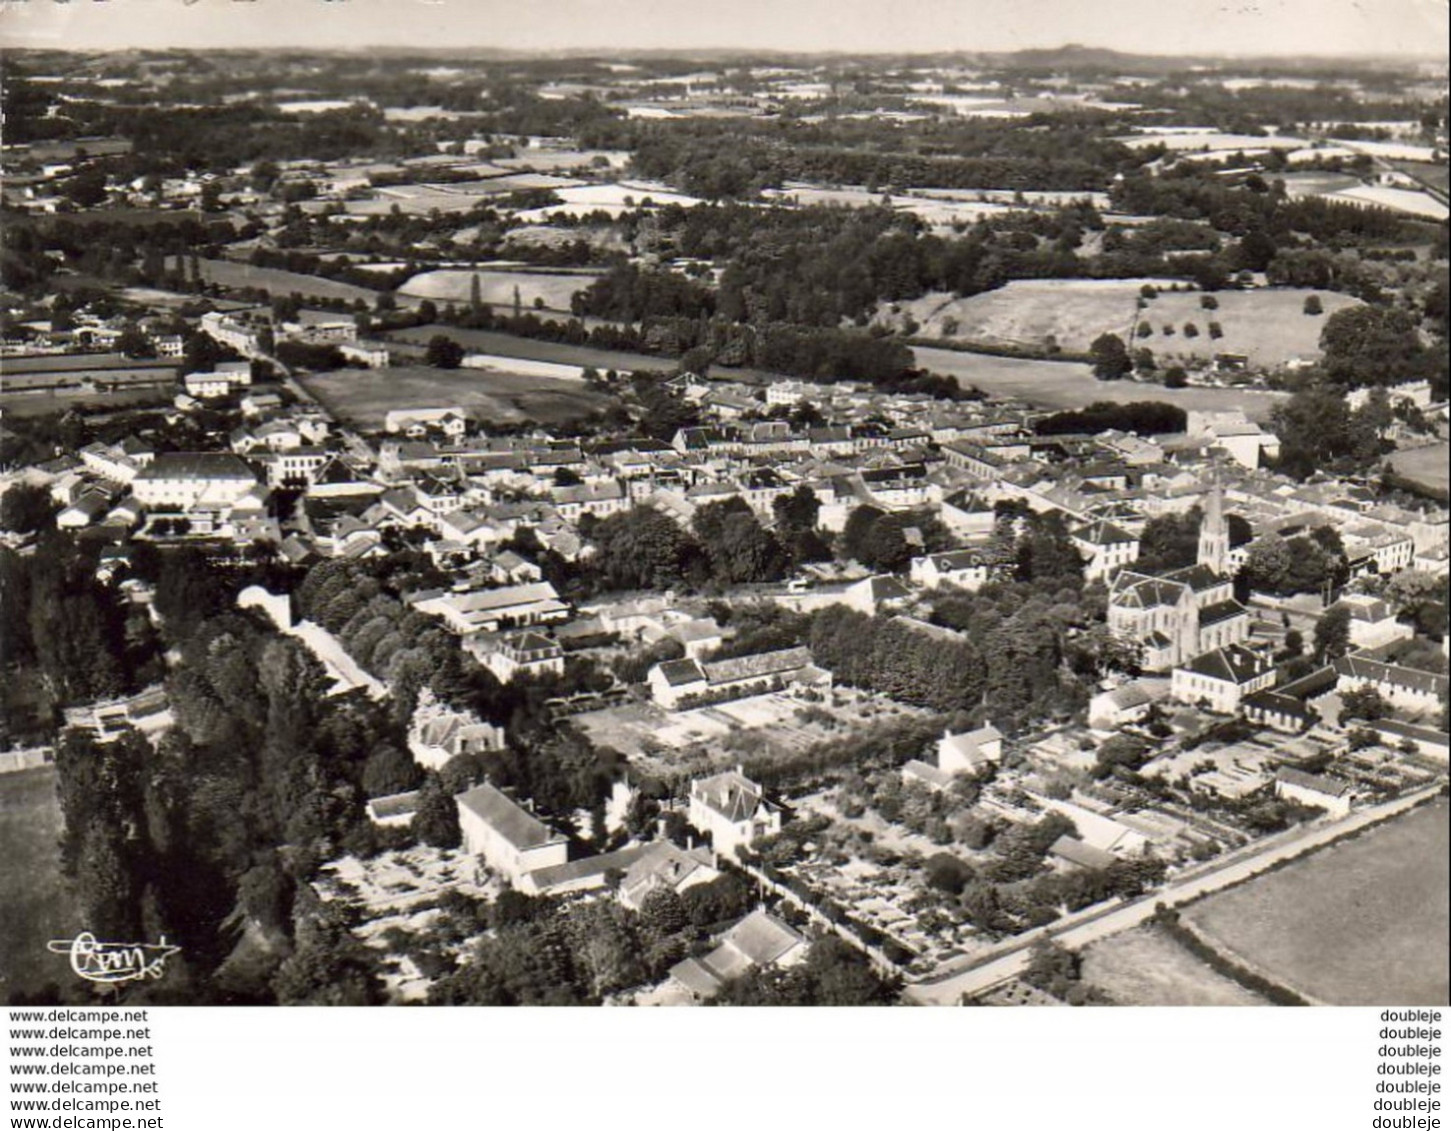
<point x="1313" y="305"/>
<point x="1208" y="302"/>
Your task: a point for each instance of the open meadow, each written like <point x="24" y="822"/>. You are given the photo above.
<point x="1072" y="385"/>
<point x="36" y="901"/>
<point x="1427" y="466"/>
<point x="363" y="397"/>
<point x="1362" y="922"/>
<point x="1146" y="967"/>
<point x="534" y="349"/>
<point x="498" y="288"/>
<point x="1267" y="325"/>
<point x="279" y="283"/>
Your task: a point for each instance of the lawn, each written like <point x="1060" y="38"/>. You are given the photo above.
<point x="1068" y="385"/>
<point x="497" y="288"/>
<point x="228" y="274"/>
<point x="1267" y="325"/>
<point x="507" y="345"/>
<point x="1427" y="465"/>
<point x="1363" y="922"/>
<point x="1143" y="967"/>
<point x="37" y="905"/>
<point x="363" y="397"/>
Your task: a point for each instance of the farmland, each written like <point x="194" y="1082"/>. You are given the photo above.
<point x="1363" y="922"/>
<point x="1145" y="967"/>
<point x="550" y="289"/>
<point x="1067" y="384"/>
<point x="228" y="274"/>
<point x="1267" y="325"/>
<point x="363" y="397"/>
<point x="36" y="901"/>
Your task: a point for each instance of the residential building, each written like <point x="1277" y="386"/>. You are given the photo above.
<point x="183" y="480"/>
<point x="676" y="681"/>
<point x="1222" y="678"/>
<point x="732" y="810"/>
<point x="758" y="940"/>
<point x="509" y="839"/>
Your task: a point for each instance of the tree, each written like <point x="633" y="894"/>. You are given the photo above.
<point x="26" y="508"/>
<point x="1363" y="703"/>
<point x="1175" y="377"/>
<point x="134" y="343"/>
<point x="1332" y="633"/>
<point x="1370" y="345"/>
<point x="436" y="820"/>
<point x="443" y="352"/>
<point x="389" y="770"/>
<point x="1110" y="357"/>
<point x="1313" y="305"/>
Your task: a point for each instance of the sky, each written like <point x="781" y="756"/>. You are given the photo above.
<point x="1167" y="27"/>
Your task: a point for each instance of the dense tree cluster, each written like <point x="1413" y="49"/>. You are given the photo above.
<point x="580" y="953"/>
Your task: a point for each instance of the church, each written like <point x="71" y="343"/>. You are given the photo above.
<point x="1176" y="616"/>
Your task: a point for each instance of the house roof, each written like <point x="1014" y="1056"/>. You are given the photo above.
<point x="760" y="938"/>
<point x="1408" y="679"/>
<point x="1221" y="611"/>
<point x="731" y="794"/>
<point x="1075" y="851"/>
<point x="756" y="666"/>
<point x="679" y="673"/>
<point x="587" y="868"/>
<point x="197" y="465"/>
<point x="1319" y="783"/>
<point x="507" y="818"/>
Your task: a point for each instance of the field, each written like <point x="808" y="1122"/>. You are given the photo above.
<point x="1359" y="923"/>
<point x="1268" y="326"/>
<point x="1067" y="385"/>
<point x="497" y="288"/>
<point x="363" y="397"/>
<point x="1426" y="465"/>
<point x="229" y="274"/>
<point x="37" y="907"/>
<point x="1144" y="967"/>
<point x="507" y="345"/>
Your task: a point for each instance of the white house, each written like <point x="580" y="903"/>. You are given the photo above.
<point x="1222" y="678"/>
<point x="437" y="733"/>
<point x="515" y="654"/>
<point x="510" y="839"/>
<point x="970" y="751"/>
<point x="1331" y="794"/>
<point x="732" y="810"/>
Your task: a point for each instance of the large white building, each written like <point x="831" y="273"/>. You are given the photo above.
<point x="510" y="839"/>
<point x="183" y="480"/>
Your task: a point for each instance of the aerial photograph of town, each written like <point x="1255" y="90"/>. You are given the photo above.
<point x="723" y="527"/>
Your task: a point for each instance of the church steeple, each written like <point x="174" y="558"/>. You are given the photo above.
<point x="1214" y="532"/>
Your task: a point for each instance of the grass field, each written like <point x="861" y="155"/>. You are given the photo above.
<point x="1144" y="967"/>
<point x="229" y="274"/>
<point x="1268" y="326"/>
<point x="1426" y="465"/>
<point x="363" y="397"/>
<point x="507" y="345"/>
<point x="496" y="288"/>
<point x="37" y="905"/>
<point x="1359" y="923"/>
<point x="1067" y="384"/>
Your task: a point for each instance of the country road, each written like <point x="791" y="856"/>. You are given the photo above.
<point x="1092" y="926"/>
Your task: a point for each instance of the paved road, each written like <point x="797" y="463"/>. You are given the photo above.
<point x="1089" y="927"/>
